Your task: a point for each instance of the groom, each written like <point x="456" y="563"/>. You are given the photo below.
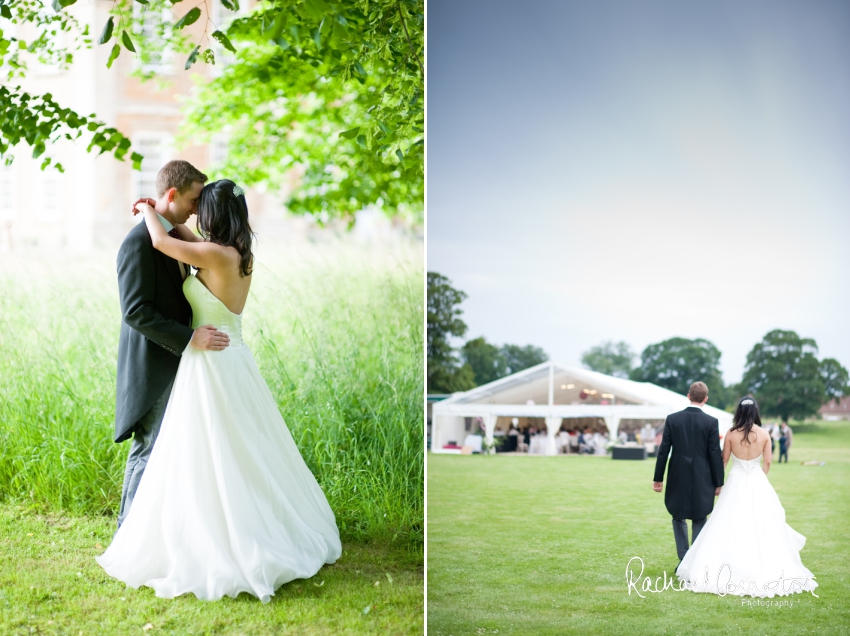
<point x="696" y="466"/>
<point x="155" y="329"/>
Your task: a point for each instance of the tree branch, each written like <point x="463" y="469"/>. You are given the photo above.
<point x="412" y="50"/>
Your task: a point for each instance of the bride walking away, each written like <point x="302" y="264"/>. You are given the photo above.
<point x="746" y="548"/>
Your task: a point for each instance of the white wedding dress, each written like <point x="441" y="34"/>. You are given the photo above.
<point x="226" y="503"/>
<point x="746" y="548"/>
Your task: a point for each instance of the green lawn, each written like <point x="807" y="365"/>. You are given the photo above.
<point x="51" y="584"/>
<point x="539" y="545"/>
<point x="336" y="330"/>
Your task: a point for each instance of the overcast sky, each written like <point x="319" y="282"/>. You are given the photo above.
<point x="642" y="170"/>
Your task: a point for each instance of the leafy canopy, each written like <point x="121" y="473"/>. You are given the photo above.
<point x="518" y="358"/>
<point x="485" y="359"/>
<point x="785" y="376"/>
<point x="677" y="363"/>
<point x="321" y="102"/>
<point x="610" y="358"/>
<point x="489" y="362"/>
<point x="445" y="375"/>
<point x="38" y="121"/>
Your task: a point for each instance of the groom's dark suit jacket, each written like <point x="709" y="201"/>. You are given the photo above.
<point x="696" y="465"/>
<point x="155" y="329"/>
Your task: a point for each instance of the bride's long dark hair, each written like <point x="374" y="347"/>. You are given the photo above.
<point x="746" y="415"/>
<point x="223" y="219"/>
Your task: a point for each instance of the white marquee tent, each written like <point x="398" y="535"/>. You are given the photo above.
<point x="554" y="392"/>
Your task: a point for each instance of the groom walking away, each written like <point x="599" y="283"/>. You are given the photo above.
<point x="156" y="326"/>
<point x="696" y="466"/>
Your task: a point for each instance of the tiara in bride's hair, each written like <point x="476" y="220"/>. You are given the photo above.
<point x="237" y="191"/>
<point x="746" y="402"/>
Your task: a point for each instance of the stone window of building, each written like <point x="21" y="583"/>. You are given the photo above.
<point x="7" y="192"/>
<point x="50" y="184"/>
<point x="151" y="28"/>
<point x="155" y="147"/>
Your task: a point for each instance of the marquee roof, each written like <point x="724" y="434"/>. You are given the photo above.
<point x="574" y="386"/>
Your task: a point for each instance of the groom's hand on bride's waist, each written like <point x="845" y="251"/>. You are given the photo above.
<point x="657" y="486"/>
<point x="208" y="338"/>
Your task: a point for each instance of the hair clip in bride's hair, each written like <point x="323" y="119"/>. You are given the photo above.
<point x="746" y="402"/>
<point x="237" y="191"/>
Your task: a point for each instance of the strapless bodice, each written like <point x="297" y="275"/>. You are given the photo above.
<point x="209" y="310"/>
<point x="746" y="465"/>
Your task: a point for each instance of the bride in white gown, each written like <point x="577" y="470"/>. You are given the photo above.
<point x="746" y="548"/>
<point x="226" y="503"/>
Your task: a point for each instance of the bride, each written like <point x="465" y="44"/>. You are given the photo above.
<point x="226" y="504"/>
<point x="746" y="548"/>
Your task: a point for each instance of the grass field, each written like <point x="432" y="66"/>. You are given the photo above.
<point x="337" y="333"/>
<point x="51" y="584"/>
<point x="539" y="545"/>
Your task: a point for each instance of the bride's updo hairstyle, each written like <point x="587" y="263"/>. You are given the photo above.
<point x="745" y="416"/>
<point x="223" y="219"/>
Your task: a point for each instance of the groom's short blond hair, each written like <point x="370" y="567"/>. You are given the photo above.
<point x="698" y="391"/>
<point x="178" y="174"/>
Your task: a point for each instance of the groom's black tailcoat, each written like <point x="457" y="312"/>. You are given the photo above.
<point x="154" y="331"/>
<point x="696" y="465"/>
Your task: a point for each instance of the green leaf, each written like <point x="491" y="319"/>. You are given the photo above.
<point x="282" y="43"/>
<point x="67" y="3"/>
<point x="142" y="1"/>
<point x="316" y="8"/>
<point x="106" y="34"/>
<point x="350" y="134"/>
<point x="224" y="41"/>
<point x="317" y="36"/>
<point x="128" y="43"/>
<point x="116" y="51"/>
<point x="296" y="34"/>
<point x="340" y="33"/>
<point x="399" y="154"/>
<point x="6" y="12"/>
<point x="192" y="58"/>
<point x="190" y="18"/>
<point x="136" y="158"/>
<point x="57" y="7"/>
<point x="233" y="5"/>
<point x="278" y="25"/>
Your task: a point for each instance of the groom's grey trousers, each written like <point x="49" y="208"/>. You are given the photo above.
<point x="140" y="451"/>
<point x="680" y="531"/>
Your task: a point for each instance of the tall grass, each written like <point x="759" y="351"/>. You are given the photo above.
<point x="337" y="335"/>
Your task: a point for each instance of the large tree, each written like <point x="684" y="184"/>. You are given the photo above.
<point x="322" y="101"/>
<point x="610" y="358"/>
<point x="445" y="374"/>
<point x="518" y="358"/>
<point x="785" y="376"/>
<point x="677" y="363"/>
<point x="485" y="359"/>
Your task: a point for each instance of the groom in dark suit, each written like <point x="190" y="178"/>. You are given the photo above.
<point x="155" y="329"/>
<point x="695" y="476"/>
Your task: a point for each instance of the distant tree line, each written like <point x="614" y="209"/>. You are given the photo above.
<point x="782" y="371"/>
<point x="477" y="361"/>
